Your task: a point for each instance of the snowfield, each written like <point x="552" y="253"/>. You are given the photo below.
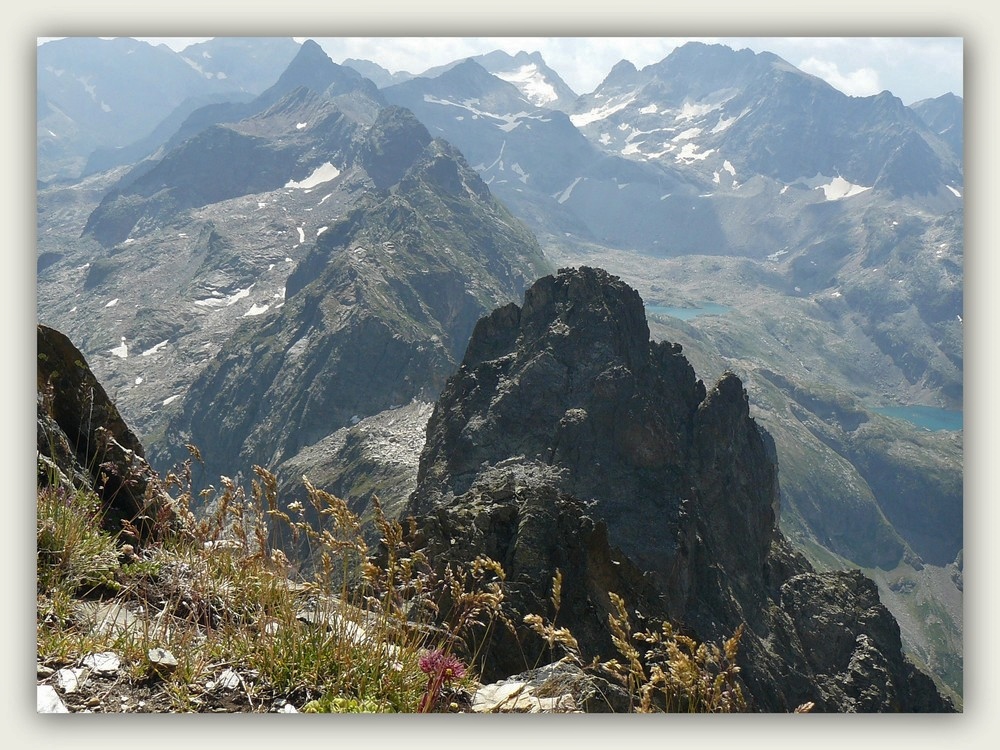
<point x="323" y="173"/>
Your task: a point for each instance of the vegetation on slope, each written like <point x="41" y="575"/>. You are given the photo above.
<point x="214" y="598"/>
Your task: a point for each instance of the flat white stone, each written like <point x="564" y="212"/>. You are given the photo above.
<point x="48" y="701"/>
<point x="69" y="679"/>
<point x="106" y="662"/>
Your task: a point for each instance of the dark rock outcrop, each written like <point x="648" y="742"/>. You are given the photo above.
<point x="567" y="441"/>
<point x="848" y="638"/>
<point x="83" y="442"/>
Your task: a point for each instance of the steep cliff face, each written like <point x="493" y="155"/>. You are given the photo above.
<point x="82" y="440"/>
<point x="569" y="441"/>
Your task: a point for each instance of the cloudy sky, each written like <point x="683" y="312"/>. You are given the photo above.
<point x="912" y="68"/>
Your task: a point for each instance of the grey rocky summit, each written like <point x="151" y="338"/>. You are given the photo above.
<point x="569" y="441"/>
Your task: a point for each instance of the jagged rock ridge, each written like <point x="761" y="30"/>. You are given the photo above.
<point x="567" y="440"/>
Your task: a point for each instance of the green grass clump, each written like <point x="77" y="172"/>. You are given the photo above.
<point x="73" y="556"/>
<point x="217" y="591"/>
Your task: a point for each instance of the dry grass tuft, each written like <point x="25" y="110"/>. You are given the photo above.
<point x="357" y="630"/>
<point x="674" y="674"/>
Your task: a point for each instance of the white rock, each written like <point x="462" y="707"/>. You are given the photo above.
<point x="162" y="660"/>
<point x="48" y="701"/>
<point x="106" y="662"/>
<point x="228" y="680"/>
<point x="70" y="679"/>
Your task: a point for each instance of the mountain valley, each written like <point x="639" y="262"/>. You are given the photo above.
<point x="293" y="281"/>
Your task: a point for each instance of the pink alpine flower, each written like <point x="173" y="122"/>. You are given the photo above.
<point x="439" y="668"/>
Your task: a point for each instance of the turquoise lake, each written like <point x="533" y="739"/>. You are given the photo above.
<point x="687" y="313"/>
<point x="928" y="417"/>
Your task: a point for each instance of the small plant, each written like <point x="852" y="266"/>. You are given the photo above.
<point x="552" y="635"/>
<point x="441" y="668"/>
<point x="342" y="705"/>
<point x="73" y="554"/>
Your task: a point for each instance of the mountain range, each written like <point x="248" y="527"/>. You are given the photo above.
<point x="281" y="260"/>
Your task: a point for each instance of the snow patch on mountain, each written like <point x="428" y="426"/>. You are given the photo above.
<point x="687" y="135"/>
<point x="723" y="124"/>
<point x="219" y="301"/>
<point x="689" y="153"/>
<point x="564" y="195"/>
<point x="601" y="113"/>
<point x="511" y="123"/>
<point x="690" y="111"/>
<point x="839" y="188"/>
<point x="237" y="296"/>
<point x="531" y="83"/>
<point x="154" y="349"/>
<point x="508" y="120"/>
<point x="323" y="173"/>
<point x="121" y="350"/>
<point x="484" y="168"/>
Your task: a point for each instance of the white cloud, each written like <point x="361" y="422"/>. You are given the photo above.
<point x="860" y="82"/>
<point x="911" y="67"/>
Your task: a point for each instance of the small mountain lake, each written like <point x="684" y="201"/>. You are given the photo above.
<point x="928" y="417"/>
<point x="687" y="313"/>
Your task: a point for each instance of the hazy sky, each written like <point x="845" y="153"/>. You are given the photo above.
<point x="912" y="68"/>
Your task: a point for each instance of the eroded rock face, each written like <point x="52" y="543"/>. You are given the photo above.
<point x="849" y="639"/>
<point x="569" y="442"/>
<point x="82" y="440"/>
<point x="570" y="380"/>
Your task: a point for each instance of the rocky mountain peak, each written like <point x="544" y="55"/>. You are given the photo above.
<point x="468" y="77"/>
<point x="309" y="66"/>
<point x="314" y="69"/>
<point x="392" y="145"/>
<point x="590" y="309"/>
<point x="568" y="441"/>
<point x="560" y="379"/>
<point x="622" y="73"/>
